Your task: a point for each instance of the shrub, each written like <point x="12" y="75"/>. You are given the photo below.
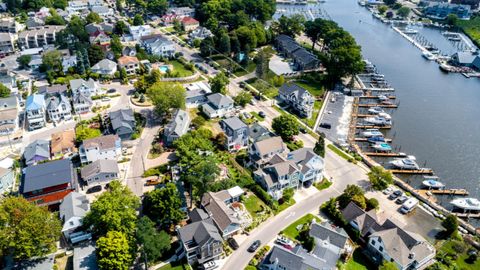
<point x="372" y="203"/>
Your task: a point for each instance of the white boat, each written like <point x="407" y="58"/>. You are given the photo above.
<point x="429" y="56"/>
<point x="385" y="115"/>
<point x="372" y="132"/>
<point x="377" y="120"/>
<point x="376" y="110"/>
<point x="432" y="182"/>
<point x="411" y="31"/>
<point x="466" y="203"/>
<point x="407" y="163"/>
<point x="382" y="97"/>
<point x="383" y="147"/>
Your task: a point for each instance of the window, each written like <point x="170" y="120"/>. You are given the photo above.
<point x="373" y="242"/>
<point x="380" y="248"/>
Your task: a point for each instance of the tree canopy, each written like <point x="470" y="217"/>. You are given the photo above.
<point x="290" y="26"/>
<point x="380" y="178"/>
<point x="93" y="17"/>
<point x="166" y="96"/>
<point x="154" y="243"/>
<point x="387" y="266"/>
<point x="319" y="148"/>
<point x="286" y="126"/>
<point x="352" y="193"/>
<point x="113" y="251"/>
<point x="450" y="223"/>
<point x="243" y="98"/>
<point x="4" y="91"/>
<point x="219" y="83"/>
<point x="163" y="205"/>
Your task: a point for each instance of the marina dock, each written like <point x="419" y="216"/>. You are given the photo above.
<point x="375" y="97"/>
<point x="366" y="140"/>
<point x="365" y="115"/>
<point x="378" y="105"/>
<point x="385" y="154"/>
<point x="370" y="126"/>
<point x="467" y="215"/>
<point x="453" y="191"/>
<point x="420" y="171"/>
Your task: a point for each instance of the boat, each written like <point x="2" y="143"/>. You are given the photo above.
<point x="372" y="132"/>
<point x="407" y="163"/>
<point x="376" y="139"/>
<point x="386" y="102"/>
<point x="385" y="115"/>
<point x="382" y="97"/>
<point x="411" y="31"/>
<point x="432" y="182"/>
<point x="376" y="110"/>
<point x="455" y="39"/>
<point x="429" y="56"/>
<point x="383" y="147"/>
<point x="466" y="203"/>
<point x="377" y="120"/>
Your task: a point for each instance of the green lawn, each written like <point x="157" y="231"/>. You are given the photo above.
<point x="180" y="68"/>
<point x="457" y="252"/>
<point x="284" y="206"/>
<point x="175" y="266"/>
<point x="358" y="262"/>
<point x="316" y="110"/>
<point x="471" y="28"/>
<point x="264" y="87"/>
<point x="324" y="184"/>
<point x="256" y="115"/>
<point x="242" y="71"/>
<point x="254" y="205"/>
<point x="292" y="232"/>
<point x="338" y="151"/>
<point x="316" y="89"/>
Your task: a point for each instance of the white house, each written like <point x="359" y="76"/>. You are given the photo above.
<point x="139" y="31"/>
<point x="81" y="103"/>
<point x="58" y="108"/>
<point x="104" y="147"/>
<point x="77" y="6"/>
<point x="217" y="105"/>
<point x="35" y="111"/>
<point x="100" y="171"/>
<point x="8" y="115"/>
<point x="68" y="62"/>
<point x="105" y="67"/>
<point x="73" y="209"/>
<point x="158" y="45"/>
<point x="88" y="88"/>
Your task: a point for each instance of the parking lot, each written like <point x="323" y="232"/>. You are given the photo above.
<point x="337" y="114"/>
<point x="279" y="65"/>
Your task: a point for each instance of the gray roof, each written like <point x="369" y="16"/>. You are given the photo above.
<point x="99" y="166"/>
<point x="292" y="88"/>
<point x="102" y="142"/>
<point x="37" y="148"/>
<point x="100" y="9"/>
<point x="48" y="174"/>
<point x="222" y="215"/>
<point x="304" y="56"/>
<point x="233" y="123"/>
<point x="8" y="103"/>
<point x="81" y="98"/>
<point x="465" y="58"/>
<point x="54" y="101"/>
<point x="122" y="118"/>
<point x="45" y="263"/>
<point x="155" y="38"/>
<point x="179" y="124"/>
<point x="74" y="205"/>
<point x="218" y="100"/>
<point x="269" y="145"/>
<point x="327" y="231"/>
<point x="199" y="232"/>
<point x="54" y="89"/>
<point x="307" y="159"/>
<point x="197" y="214"/>
<point x="296" y="259"/>
<point x="105" y="64"/>
<point x="77" y="83"/>
<point x="84" y="257"/>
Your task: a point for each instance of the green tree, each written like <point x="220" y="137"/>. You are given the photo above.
<point x="388" y="266"/>
<point x="380" y="178"/>
<point x="290" y="26"/>
<point x="319" y="148"/>
<point x="247" y="38"/>
<point x="202" y="175"/>
<point x="286" y="126"/>
<point x="207" y="47"/>
<point x="114" y="210"/>
<point x="116" y="46"/>
<point x="153" y="243"/>
<point x="382" y="9"/>
<point x="313" y="30"/>
<point x="26" y="230"/>
<point x="452" y="19"/>
<point x="52" y="60"/>
<point x="177" y="26"/>
<point x="372" y="203"/>
<point x="219" y="83"/>
<point x="262" y="68"/>
<point x="243" y="98"/>
<point x="224" y="44"/>
<point x="123" y="75"/>
<point x="287" y="194"/>
<point x="352" y="193"/>
<point x="167" y="96"/>
<point x="76" y="28"/>
<point x="163" y="205"/>
<point x="61" y="4"/>
<point x="450" y="223"/>
<point x="120" y="28"/>
<point x="24" y="60"/>
<point x="403" y="12"/>
<point x="113" y="251"/>
<point x="95" y="54"/>
<point x="390" y="2"/>
<point x="93" y="17"/>
<point x="54" y="18"/>
<point x="83" y="132"/>
<point x="138" y="20"/>
<point x="157" y="6"/>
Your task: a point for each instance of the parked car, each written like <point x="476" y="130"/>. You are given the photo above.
<point x="284" y="241"/>
<point x="111" y="90"/>
<point x="387" y="191"/>
<point x="94" y="189"/>
<point x="402" y="199"/>
<point x="209" y="265"/>
<point x="242" y="84"/>
<point x="303" y="130"/>
<point x="326" y="125"/>
<point x="105" y="99"/>
<point x="153" y="182"/>
<point x="254" y="246"/>
<point x="262" y="114"/>
<point x="395" y="194"/>
<point x="233" y="243"/>
<point x="247" y="115"/>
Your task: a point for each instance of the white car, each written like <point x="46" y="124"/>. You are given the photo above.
<point x="387" y="191"/>
<point x="210" y="265"/>
<point x="284" y="241"/>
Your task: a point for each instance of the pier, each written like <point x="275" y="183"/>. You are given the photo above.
<point x="376" y="97"/>
<point x="452" y="191"/>
<point x="467" y="215"/>
<point x="419" y="171"/>
<point x="378" y="105"/>
<point x="371" y="126"/>
<point x="385" y="154"/>
<point x="366" y="140"/>
<point x="365" y="115"/>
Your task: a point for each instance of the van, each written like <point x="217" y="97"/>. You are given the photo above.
<point x="409" y="205"/>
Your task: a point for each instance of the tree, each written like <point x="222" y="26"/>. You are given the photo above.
<point x="287" y="194"/>
<point x="177" y="26"/>
<point x="372" y="203"/>
<point x="54" y="19"/>
<point x="388" y="266"/>
<point x="247" y="38"/>
<point x="452" y="19"/>
<point x="120" y="28"/>
<point x="224" y="44"/>
<point x="243" y="98"/>
<point x="319" y="148"/>
<point x="262" y="64"/>
<point x="26" y="230"/>
<point x="61" y="4"/>
<point x="113" y="251"/>
<point x="163" y="205"/>
<point x="76" y="28"/>
<point x="116" y="46"/>
<point x="114" y="210"/>
<point x="52" y="60"/>
<point x="93" y="17"/>
<point x="95" y="54"/>
<point x="382" y="9"/>
<point x="352" y="193"/>
<point x="166" y="96"/>
<point x="157" y="6"/>
<point x="123" y="75"/>
<point x="153" y="243"/>
<point x="24" y="60"/>
<point x="403" y="12"/>
<point x="450" y="223"/>
<point x="312" y="31"/>
<point x="207" y="46"/>
<point x="202" y="175"/>
<point x="219" y="83"/>
<point x="380" y="178"/>
<point x="390" y="2"/>
<point x="83" y="132"/>
<point x="138" y="20"/>
<point x="286" y="126"/>
<point x="290" y="26"/>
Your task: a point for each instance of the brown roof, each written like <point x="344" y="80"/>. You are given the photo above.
<point x="63" y="141"/>
<point x="125" y="60"/>
<point x="218" y="210"/>
<point x="269" y="145"/>
<point x="8" y="114"/>
<point x="102" y="142"/>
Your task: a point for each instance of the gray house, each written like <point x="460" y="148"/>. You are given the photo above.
<point x="262" y="151"/>
<point x="73" y="209"/>
<point x="8" y="115"/>
<point x="237" y="133"/>
<point x="58" y="108"/>
<point x="158" y="45"/>
<point x="7" y="175"/>
<point x="48" y="90"/>
<point x="302" y="59"/>
<point x="82" y="103"/>
<point x="298" y="98"/>
<point x="123" y="123"/>
<point x="37" y="151"/>
<point x="105" y="67"/>
<point x="100" y="171"/>
<point x="177" y="127"/>
<point x="217" y="105"/>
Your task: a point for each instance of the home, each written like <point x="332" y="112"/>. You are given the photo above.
<point x="440" y="11"/>
<point x="177" y="127"/>
<point x="330" y="242"/>
<point x="311" y="165"/>
<point x="189" y="24"/>
<point x="257" y="132"/>
<point x="7" y="175"/>
<point x="100" y="38"/>
<point x="95" y="3"/>
<point x="196" y="94"/>
<point x="201" y="241"/>
<point x="298" y="98"/>
<point x="34" y="22"/>
<point x="81" y="103"/>
<point x="182" y="11"/>
<point x="129" y="51"/>
<point x="103" y="147"/>
<point x="39" y="37"/>
<point x="88" y="88"/>
<point x="101" y="27"/>
<point x="63" y="143"/>
<point x="8" y="115"/>
<point x="73" y="209"/>
<point x="48" y="90"/>
<point x="48" y="183"/>
<point x="466" y="59"/>
<point x="170" y="19"/>
<point x="237" y="133"/>
<point x="7" y="45"/>
<point x="140" y="31"/>
<point x="302" y="59"/>
<point x="261" y="151"/>
<point x="388" y="241"/>
<point x="130" y="64"/>
<point x="105" y="67"/>
<point x="100" y="171"/>
<point x="158" y="45"/>
<point x="9" y="25"/>
<point x="58" y="108"/>
<point x="218" y="105"/>
<point x="69" y="61"/>
<point x="103" y="11"/>
<point x="77" y="6"/>
<point x="35" y="111"/>
<point x="199" y="33"/>
<point x="123" y="123"/>
<point x="37" y="151"/>
<point x="84" y="256"/>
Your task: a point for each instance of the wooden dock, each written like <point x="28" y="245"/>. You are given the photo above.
<point x="467" y="215"/>
<point x="452" y="191"/>
<point x="377" y="89"/>
<point x="376" y="97"/>
<point x="378" y="105"/>
<point x="366" y="140"/>
<point x="420" y="171"/>
<point x="384" y="154"/>
<point x="366" y="115"/>
<point x="370" y="126"/>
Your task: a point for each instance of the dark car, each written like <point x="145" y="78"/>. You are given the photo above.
<point x="262" y="114"/>
<point x="254" y="246"/>
<point x="233" y="243"/>
<point x="401" y="199"/>
<point x="303" y="130"/>
<point x="395" y="194"/>
<point x="94" y="189"/>
<point x="242" y="84"/>
<point x="111" y="90"/>
<point x="326" y="125"/>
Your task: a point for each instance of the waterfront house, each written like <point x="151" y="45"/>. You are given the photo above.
<point x="140" y="31"/>
<point x="196" y="94"/>
<point x="441" y="10"/>
<point x="48" y="183"/>
<point x="262" y="151"/>
<point x="130" y="64"/>
<point x="58" y="108"/>
<point x="8" y="115"/>
<point x="302" y="59"/>
<point x="7" y="175"/>
<point x="123" y="123"/>
<point x="73" y="209"/>
<point x="100" y="172"/>
<point x="81" y="103"/>
<point x="87" y="88"/>
<point x="236" y="132"/>
<point x="298" y="98"/>
<point x="55" y="89"/>
<point x="189" y="24"/>
<point x="35" y="111"/>
<point x="37" y="151"/>
<point x="158" y="45"/>
<point x="105" y="67"/>
<point x="177" y="127"/>
<point x="63" y="143"/>
<point x="218" y="105"/>
<point x="103" y="147"/>
<point x="466" y="59"/>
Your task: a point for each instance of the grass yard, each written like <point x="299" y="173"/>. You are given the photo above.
<point x="324" y="184"/>
<point x="317" y="106"/>
<point x="316" y="89"/>
<point x="471" y="28"/>
<point x="284" y="206"/>
<point x="338" y="152"/>
<point x="242" y="71"/>
<point x="180" y="69"/>
<point x="175" y="266"/>
<point x="257" y="116"/>
<point x="358" y="262"/>
<point x="264" y="87"/>
<point x="254" y="205"/>
<point x="457" y="251"/>
<point x="292" y="231"/>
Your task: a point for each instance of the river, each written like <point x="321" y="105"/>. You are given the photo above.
<point x="438" y="117"/>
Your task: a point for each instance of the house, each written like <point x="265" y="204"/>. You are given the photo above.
<point x="95" y="3"/>
<point x="9" y="25"/>
<point x="63" y="143"/>
<point x="58" y="108"/>
<point x="69" y="61"/>
<point x="49" y="183"/>
<point x="302" y="59"/>
<point x="35" y="111"/>
<point x="81" y="103"/>
<point x="311" y="165"/>
<point x="140" y="31"/>
<point x="158" y="45"/>
<point x="177" y="127"/>
<point x="39" y="37"/>
<point x="218" y="105"/>
<point x="100" y="38"/>
<point x="77" y="6"/>
<point x="6" y="44"/>
<point x="440" y="10"/>
<point x="103" y="11"/>
<point x="196" y="94"/>
<point x="34" y="22"/>
<point x="182" y="11"/>
<point x="130" y="64"/>
<point x="48" y="90"/>
<point x="8" y="115"/>
<point x="7" y="175"/>
<point x="237" y="133"/>
<point x="37" y="151"/>
<point x="466" y="59"/>
<point x="388" y="241"/>
<point x="218" y="207"/>
<point x="105" y="67"/>
<point x="257" y="132"/>
<point x="88" y="88"/>
<point x="170" y="19"/>
<point x="189" y="24"/>
<point x="103" y="147"/>
<point x="73" y="209"/>
<point x="84" y="256"/>
<point x="129" y="51"/>
<point x="199" y="33"/>
<point x="123" y="123"/>
<point x="101" y="27"/>
<point x="201" y="241"/>
<point x="261" y="151"/>
<point x="100" y="171"/>
<point x="298" y="98"/>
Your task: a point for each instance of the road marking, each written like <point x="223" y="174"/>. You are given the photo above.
<point x="292" y="214"/>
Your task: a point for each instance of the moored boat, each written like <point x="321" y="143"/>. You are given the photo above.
<point x="466" y="204"/>
<point x="432" y="182"/>
<point x="372" y="132"/>
<point x="407" y="163"/>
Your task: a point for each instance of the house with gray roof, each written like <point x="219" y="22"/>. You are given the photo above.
<point x="261" y="151"/>
<point x="82" y="103"/>
<point x="7" y="45"/>
<point x="201" y="241"/>
<point x="37" y="151"/>
<point x="129" y="51"/>
<point x="199" y="33"/>
<point x="73" y="209"/>
<point x="103" y="147"/>
<point x="177" y="127"/>
<point x="302" y="59"/>
<point x="123" y="123"/>
<point x="49" y="90"/>
<point x="257" y="132"/>
<point x="196" y="94"/>
<point x="158" y="45"/>
<point x="237" y="133"/>
<point x="7" y="175"/>
<point x="88" y="88"/>
<point x="298" y="258"/>
<point x="58" y="108"/>
<point x="218" y="105"/>
<point x="105" y="67"/>
<point x="100" y="172"/>
<point x="311" y="165"/>
<point x="84" y="256"/>
<point x="35" y="110"/>
<point x="298" y="98"/>
<point x="8" y="115"/>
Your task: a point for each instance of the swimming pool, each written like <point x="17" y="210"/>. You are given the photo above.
<point x="163" y="69"/>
